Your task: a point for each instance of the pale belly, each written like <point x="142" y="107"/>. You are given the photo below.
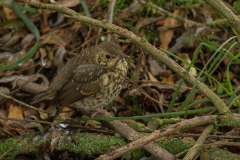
<point x="100" y="99"/>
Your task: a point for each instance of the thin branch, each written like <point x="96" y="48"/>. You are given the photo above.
<point x="109" y="16"/>
<point x="133" y="135"/>
<point x="24" y="104"/>
<point x="226" y="13"/>
<point x="192" y="154"/>
<point x="181" y="126"/>
<point x="169" y="14"/>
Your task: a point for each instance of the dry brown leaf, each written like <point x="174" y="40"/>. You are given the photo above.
<point x="76" y="26"/>
<point x="138" y="67"/>
<point x="160" y="100"/>
<point x="15" y="126"/>
<point x="60" y="57"/>
<point x="66" y="113"/>
<point x="15" y="112"/>
<point x="15" y="78"/>
<point x="67" y="34"/>
<point x="45" y="61"/>
<point x="14" y="39"/>
<point x="27" y="40"/>
<point x="34" y="125"/>
<point x="43" y="52"/>
<point x="53" y="38"/>
<point x="45" y="26"/>
<point x="185" y="56"/>
<point x="205" y="154"/>
<point x="169" y="83"/>
<point x="168" y="80"/>
<point x="202" y="9"/>
<point x="146" y="21"/>
<point x="119" y="99"/>
<point x="133" y="7"/>
<point x="3" y="114"/>
<point x="198" y="97"/>
<point x="30" y="87"/>
<point x="5" y="91"/>
<point x="9" y="13"/>
<point x="151" y="77"/>
<point x="189" y="139"/>
<point x="56" y="134"/>
<point x="68" y="4"/>
<point x="180" y="43"/>
<point x="154" y="66"/>
<point x="167" y="35"/>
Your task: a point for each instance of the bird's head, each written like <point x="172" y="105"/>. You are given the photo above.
<point x="109" y="54"/>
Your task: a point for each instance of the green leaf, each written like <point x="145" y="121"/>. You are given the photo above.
<point x="85" y="8"/>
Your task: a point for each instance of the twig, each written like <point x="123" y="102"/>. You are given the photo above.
<point x="133" y="135"/>
<point x="209" y="136"/>
<point x="184" y="20"/>
<point x="221" y="143"/>
<point x="26" y="120"/>
<point x="109" y="15"/>
<point x="27" y="81"/>
<point x="89" y="40"/>
<point x="192" y="154"/>
<point x="144" y="93"/>
<point x="181" y="126"/>
<point x="169" y="14"/>
<point x="226" y="13"/>
<point x="24" y="104"/>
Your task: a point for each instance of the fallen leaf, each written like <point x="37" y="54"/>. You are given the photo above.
<point x="154" y="66"/>
<point x="68" y="4"/>
<point x="167" y="35"/>
<point x="133" y="7"/>
<point x="5" y="91"/>
<point x="168" y="80"/>
<point x="15" y="112"/>
<point x="9" y="13"/>
<point x="185" y="56"/>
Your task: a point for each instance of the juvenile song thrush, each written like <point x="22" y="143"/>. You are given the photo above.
<point x="90" y="80"/>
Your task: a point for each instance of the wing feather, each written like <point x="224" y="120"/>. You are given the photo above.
<point x="85" y="82"/>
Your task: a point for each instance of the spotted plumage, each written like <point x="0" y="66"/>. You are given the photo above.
<point x="91" y="79"/>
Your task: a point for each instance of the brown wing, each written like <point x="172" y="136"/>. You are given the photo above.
<point x="84" y="83"/>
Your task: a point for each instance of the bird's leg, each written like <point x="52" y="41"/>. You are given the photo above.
<point x="99" y="110"/>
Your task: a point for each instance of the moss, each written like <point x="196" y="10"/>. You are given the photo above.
<point x="175" y="146"/>
<point x="116" y="141"/>
<point x="184" y="128"/>
<point x="134" y="155"/>
<point x="30" y="145"/>
<point x="234" y="123"/>
<point x="90" y="144"/>
<point x="28" y="148"/>
<point x="9" y="148"/>
<point x="87" y="145"/>
<point x="32" y="150"/>
<point x="220" y="154"/>
<point x="64" y="142"/>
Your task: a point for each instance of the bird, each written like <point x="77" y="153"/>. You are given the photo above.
<point x="90" y="80"/>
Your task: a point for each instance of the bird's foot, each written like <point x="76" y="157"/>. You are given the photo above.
<point x="99" y="110"/>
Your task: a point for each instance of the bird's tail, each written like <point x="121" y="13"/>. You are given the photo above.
<point x="41" y="96"/>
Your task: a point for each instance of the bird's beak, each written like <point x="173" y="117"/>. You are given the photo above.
<point x="124" y="56"/>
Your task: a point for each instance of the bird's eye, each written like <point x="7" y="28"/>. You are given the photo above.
<point x="107" y="56"/>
